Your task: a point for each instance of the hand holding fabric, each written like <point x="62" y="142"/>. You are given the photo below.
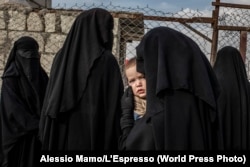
<point x="127" y="105"/>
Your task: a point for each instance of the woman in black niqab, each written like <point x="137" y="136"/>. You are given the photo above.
<point x="82" y="103"/>
<point x="234" y="100"/>
<point x="24" y="83"/>
<point x="181" y="95"/>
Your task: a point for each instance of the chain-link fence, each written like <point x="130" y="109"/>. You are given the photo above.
<point x="187" y="21"/>
<point x="50" y="27"/>
<point x="234" y="20"/>
<point x="232" y="17"/>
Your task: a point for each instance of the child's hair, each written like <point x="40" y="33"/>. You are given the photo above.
<point x="130" y="62"/>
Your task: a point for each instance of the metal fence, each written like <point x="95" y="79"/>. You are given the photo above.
<point x="233" y="28"/>
<point x="192" y="23"/>
<point x="229" y="24"/>
<point x="224" y="27"/>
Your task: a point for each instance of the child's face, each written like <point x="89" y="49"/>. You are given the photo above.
<point x="137" y="81"/>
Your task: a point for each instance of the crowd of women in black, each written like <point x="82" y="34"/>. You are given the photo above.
<point x="82" y="105"/>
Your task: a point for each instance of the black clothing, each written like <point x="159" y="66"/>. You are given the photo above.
<point x="234" y="101"/>
<point x="127" y="105"/>
<point x="82" y="105"/>
<point x="128" y="122"/>
<point x="181" y="94"/>
<point x="23" y="89"/>
<point x="127" y="115"/>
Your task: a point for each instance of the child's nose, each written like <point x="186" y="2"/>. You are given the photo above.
<point x="138" y="82"/>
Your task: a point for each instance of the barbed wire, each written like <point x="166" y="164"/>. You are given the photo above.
<point x="132" y="30"/>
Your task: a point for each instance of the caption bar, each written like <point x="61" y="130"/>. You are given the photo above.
<point x="159" y="159"/>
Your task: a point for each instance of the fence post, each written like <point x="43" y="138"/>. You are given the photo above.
<point x="215" y="33"/>
<point x="243" y="44"/>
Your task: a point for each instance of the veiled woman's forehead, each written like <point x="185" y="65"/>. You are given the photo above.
<point x="26" y="43"/>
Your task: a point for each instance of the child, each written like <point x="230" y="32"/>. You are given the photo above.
<point x="133" y="104"/>
<point x="137" y="82"/>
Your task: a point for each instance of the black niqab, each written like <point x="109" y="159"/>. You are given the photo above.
<point x="23" y="89"/>
<point x="184" y="68"/>
<point x="90" y="35"/>
<point x="181" y="92"/>
<point x="233" y="103"/>
<point x="82" y="104"/>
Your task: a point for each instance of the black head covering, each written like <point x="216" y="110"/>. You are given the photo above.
<point x="90" y="35"/>
<point x="23" y="44"/>
<point x="23" y="89"/>
<point x="229" y="64"/>
<point x="234" y="101"/>
<point x="26" y="58"/>
<point x="168" y="67"/>
<point x="182" y="90"/>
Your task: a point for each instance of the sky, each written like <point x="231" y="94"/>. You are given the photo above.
<point x="159" y="5"/>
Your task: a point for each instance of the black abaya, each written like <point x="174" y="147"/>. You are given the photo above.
<point x="234" y="101"/>
<point x="181" y="95"/>
<point x="23" y="89"/>
<point x="82" y="103"/>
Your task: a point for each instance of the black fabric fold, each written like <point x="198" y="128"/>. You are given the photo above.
<point x="24" y="83"/>
<point x="234" y="101"/>
<point x="182" y="92"/>
<point x="82" y="104"/>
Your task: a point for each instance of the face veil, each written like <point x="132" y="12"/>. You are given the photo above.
<point x="84" y="89"/>
<point x="23" y="87"/>
<point x="233" y="102"/>
<point x="166" y="66"/>
<point x="182" y="91"/>
<point x="89" y="37"/>
<point x="27" y="59"/>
